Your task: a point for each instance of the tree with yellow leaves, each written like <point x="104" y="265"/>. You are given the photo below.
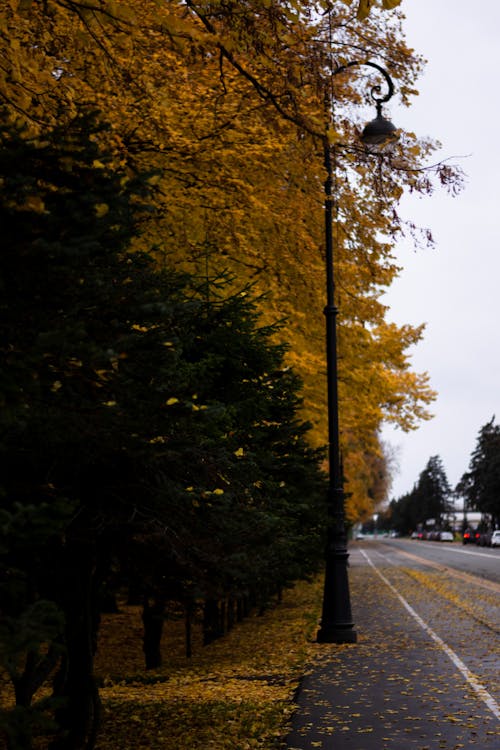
<point x="225" y="103"/>
<point x="364" y="6"/>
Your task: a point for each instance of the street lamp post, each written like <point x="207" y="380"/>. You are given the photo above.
<point x="336" y="621"/>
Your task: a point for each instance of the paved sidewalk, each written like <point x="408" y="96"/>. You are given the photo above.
<point x="397" y="688"/>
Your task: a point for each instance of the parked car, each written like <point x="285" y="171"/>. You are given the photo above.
<point x="469" y="536"/>
<point x="495" y="539"/>
<point x="445" y="536"/>
<point x="484" y="539"/>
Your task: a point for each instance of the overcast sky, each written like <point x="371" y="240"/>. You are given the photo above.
<point x="455" y="287"/>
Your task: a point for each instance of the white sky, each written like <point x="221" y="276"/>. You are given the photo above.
<point x="455" y="287"/>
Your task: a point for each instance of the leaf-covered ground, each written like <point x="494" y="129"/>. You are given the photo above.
<point x="237" y="693"/>
<point x="232" y="695"/>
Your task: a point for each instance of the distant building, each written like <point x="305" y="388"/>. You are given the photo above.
<point x="456" y="517"/>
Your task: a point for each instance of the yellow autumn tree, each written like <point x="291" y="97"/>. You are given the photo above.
<point x="365" y="6"/>
<point x="224" y="102"/>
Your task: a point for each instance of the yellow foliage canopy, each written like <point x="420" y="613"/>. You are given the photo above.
<point x="365" y="6"/>
<point x="225" y="103"/>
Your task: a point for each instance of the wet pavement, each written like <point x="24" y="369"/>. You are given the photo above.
<point x="424" y="673"/>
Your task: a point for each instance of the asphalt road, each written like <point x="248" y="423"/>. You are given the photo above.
<point x="454" y="596"/>
<point x="425" y="672"/>
<point x="480" y="561"/>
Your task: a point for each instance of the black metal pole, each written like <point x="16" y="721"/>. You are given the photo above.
<point x="336" y="620"/>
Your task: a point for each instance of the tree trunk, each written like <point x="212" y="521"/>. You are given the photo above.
<point x="211" y="621"/>
<point x="153" y="617"/>
<point x="222" y="617"/>
<point x="75" y="684"/>
<point x="189" y="610"/>
<point x="231" y="613"/>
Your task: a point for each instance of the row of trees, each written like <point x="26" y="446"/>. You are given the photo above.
<point x="161" y="208"/>
<point x="432" y="497"/>
<point x="225" y="103"/>
<point x="429" y="499"/>
<point x="149" y="435"/>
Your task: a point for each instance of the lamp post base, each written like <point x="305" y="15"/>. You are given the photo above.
<point x="336" y="624"/>
<point x="336" y="635"/>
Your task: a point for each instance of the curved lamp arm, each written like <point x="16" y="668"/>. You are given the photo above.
<point x="379" y="100"/>
<point x="380" y="130"/>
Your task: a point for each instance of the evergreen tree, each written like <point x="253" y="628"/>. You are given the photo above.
<point x="74" y="309"/>
<point x="404" y="513"/>
<point x="429" y="499"/>
<point x="136" y="411"/>
<point x="432" y="492"/>
<point x="481" y="484"/>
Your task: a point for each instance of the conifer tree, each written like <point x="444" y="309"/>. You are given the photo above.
<point x="481" y="483"/>
<point x="136" y="408"/>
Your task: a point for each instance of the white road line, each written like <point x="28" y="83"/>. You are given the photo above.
<point x="469" y="677"/>
<point x="462" y="551"/>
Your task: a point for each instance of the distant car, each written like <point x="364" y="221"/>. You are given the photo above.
<point x="484" y="539"/>
<point x="468" y="537"/>
<point x="414" y="534"/>
<point x="446" y="536"/>
<point x="360" y="535"/>
<point x="495" y="539"/>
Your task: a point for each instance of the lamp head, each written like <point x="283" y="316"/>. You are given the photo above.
<point x="378" y="131"/>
